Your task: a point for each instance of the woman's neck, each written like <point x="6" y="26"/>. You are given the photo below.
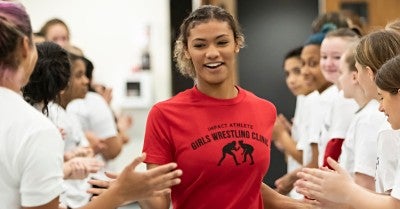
<point x="62" y="101"/>
<point x="362" y="100"/>
<point x="324" y="87"/>
<point x="11" y="79"/>
<point x="219" y="91"/>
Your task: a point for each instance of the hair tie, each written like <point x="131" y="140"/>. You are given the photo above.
<point x="317" y="38"/>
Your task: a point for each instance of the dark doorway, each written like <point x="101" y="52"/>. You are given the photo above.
<point x="178" y="11"/>
<point x="272" y="28"/>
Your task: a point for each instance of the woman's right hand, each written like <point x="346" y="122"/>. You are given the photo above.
<point x="131" y="185"/>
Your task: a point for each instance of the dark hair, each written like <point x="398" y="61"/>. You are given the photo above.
<point x="15" y="24"/>
<point x="89" y="68"/>
<point x="89" y="72"/>
<point x="293" y="53"/>
<point x="51" y="22"/>
<point x="50" y="76"/>
<point x="336" y="18"/>
<point x="74" y="57"/>
<point x="203" y="14"/>
<point x="388" y="76"/>
<point x="296" y="52"/>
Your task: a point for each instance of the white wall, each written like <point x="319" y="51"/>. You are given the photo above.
<point x="109" y="32"/>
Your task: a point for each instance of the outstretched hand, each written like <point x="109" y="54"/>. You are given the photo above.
<point x="131" y="185"/>
<point x="101" y="185"/>
<point x="325" y="185"/>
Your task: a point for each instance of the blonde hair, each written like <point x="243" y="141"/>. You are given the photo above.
<point x="376" y="48"/>
<point x="393" y="26"/>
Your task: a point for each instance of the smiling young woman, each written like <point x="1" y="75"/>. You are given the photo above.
<point x="221" y="159"/>
<point x="388" y="81"/>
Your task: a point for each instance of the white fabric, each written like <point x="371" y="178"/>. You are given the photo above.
<point x="75" y="194"/>
<point x="359" y="150"/>
<point x="388" y="160"/>
<point x="73" y="133"/>
<point x="319" y="105"/>
<point x="396" y="186"/>
<point x="304" y="125"/>
<point x="95" y="116"/>
<point x="336" y="121"/>
<point x="319" y="112"/>
<point x="31" y="154"/>
<point x="292" y="164"/>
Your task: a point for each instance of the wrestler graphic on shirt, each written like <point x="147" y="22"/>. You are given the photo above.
<point x="227" y="149"/>
<point x="247" y="151"/>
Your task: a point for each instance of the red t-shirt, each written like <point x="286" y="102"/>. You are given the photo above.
<point x="333" y="150"/>
<point x="221" y="145"/>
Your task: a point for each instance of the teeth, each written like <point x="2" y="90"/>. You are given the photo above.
<point x="213" y="64"/>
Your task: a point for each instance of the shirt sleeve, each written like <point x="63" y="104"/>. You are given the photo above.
<point x="344" y="111"/>
<point x="157" y="143"/>
<point x="396" y="187"/>
<point x="41" y="166"/>
<point x="366" y="148"/>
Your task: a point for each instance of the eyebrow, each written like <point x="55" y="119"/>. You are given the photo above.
<point x="203" y="39"/>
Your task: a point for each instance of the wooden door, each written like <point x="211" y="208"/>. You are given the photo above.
<point x="377" y="12"/>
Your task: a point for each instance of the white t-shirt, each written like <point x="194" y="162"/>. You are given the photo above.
<point x="31" y="154"/>
<point x="336" y="121"/>
<point x="304" y="124"/>
<point x="318" y="107"/>
<point x="292" y="164"/>
<point x="387" y="160"/>
<point x="359" y="150"/>
<point x="396" y="186"/>
<point x="73" y="133"/>
<point x="95" y="115"/>
<point x="319" y="111"/>
<point x="75" y="194"/>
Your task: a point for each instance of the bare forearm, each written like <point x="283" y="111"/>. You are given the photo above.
<point x="66" y="170"/>
<point x="365" y="181"/>
<point x="314" y="157"/>
<point x="361" y="198"/>
<point x="107" y="200"/>
<point x="114" y="146"/>
<point x="160" y="202"/>
<point x="155" y="203"/>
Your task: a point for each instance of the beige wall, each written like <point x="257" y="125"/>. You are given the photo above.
<point x="380" y="11"/>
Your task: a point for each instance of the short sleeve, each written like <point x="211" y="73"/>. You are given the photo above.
<point x="41" y="166"/>
<point x="366" y="149"/>
<point x="158" y="145"/>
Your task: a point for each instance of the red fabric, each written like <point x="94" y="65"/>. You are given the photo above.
<point x="222" y="147"/>
<point x="333" y="149"/>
